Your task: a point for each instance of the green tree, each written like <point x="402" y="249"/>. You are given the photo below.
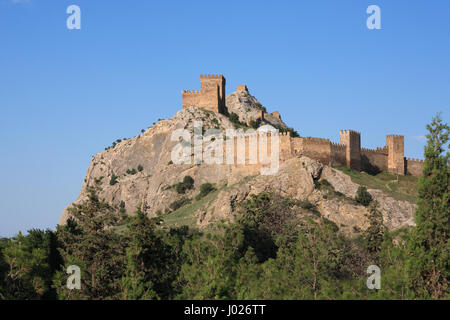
<point x="363" y="196"/>
<point x="28" y="270"/>
<point x="144" y="254"/>
<point x="180" y="188"/>
<point x="27" y="265"/>
<point x="186" y="184"/>
<point x="234" y="118"/>
<point x="374" y="234"/>
<point x="122" y="209"/>
<point x="209" y="270"/>
<point x="188" y="181"/>
<point x="265" y="218"/>
<point x="3" y="268"/>
<point x="113" y="180"/>
<point x="131" y="171"/>
<point x="205" y="189"/>
<point x="429" y="245"/>
<point x="307" y="268"/>
<point x="152" y="263"/>
<point x="90" y="241"/>
<point x="392" y="261"/>
<point x="254" y="124"/>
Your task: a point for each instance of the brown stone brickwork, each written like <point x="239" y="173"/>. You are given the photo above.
<point x="374" y="160"/>
<point x="396" y="157"/>
<point x="414" y="167"/>
<point x="352" y="141"/>
<point x="210" y="97"/>
<point x="338" y="155"/>
<point x="328" y="153"/>
<point x="318" y="149"/>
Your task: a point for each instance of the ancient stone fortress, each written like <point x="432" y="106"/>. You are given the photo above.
<point x="210" y="97"/>
<point x="347" y="152"/>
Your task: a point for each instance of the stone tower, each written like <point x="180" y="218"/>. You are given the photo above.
<point x="352" y="141"/>
<point x="396" y="154"/>
<point x="210" y="97"/>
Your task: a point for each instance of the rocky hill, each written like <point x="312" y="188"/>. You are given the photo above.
<point x="248" y="108"/>
<point x="139" y="172"/>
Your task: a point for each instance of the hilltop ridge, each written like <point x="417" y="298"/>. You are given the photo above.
<point x="139" y="172"/>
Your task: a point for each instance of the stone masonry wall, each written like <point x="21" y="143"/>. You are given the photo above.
<point x="318" y="149"/>
<point x="210" y="97"/>
<point x="396" y="158"/>
<point x="414" y="167"/>
<point x="374" y="159"/>
<point x="338" y="155"/>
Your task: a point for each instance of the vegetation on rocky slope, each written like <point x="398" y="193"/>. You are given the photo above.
<point x="398" y="187"/>
<point x="276" y="246"/>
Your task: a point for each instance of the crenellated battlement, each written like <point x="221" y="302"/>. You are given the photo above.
<point x="313" y="139"/>
<point x="377" y="150"/>
<point x="413" y="166"/>
<point x="352" y="140"/>
<point x="349" y="132"/>
<point x="190" y="92"/>
<point x="210" y="97"/>
<point x="338" y="145"/>
<point x="395" y="135"/>
<point x="414" y="160"/>
<point x="395" y="149"/>
<point x="211" y="76"/>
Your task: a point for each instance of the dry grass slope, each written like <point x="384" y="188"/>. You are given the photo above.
<point x="404" y="189"/>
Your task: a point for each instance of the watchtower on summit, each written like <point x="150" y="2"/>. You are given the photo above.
<point x="210" y="97"/>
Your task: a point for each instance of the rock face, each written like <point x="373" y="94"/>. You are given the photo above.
<point x="148" y="185"/>
<point x="152" y="150"/>
<point x="295" y="179"/>
<point x="248" y="108"/>
<point x="395" y="213"/>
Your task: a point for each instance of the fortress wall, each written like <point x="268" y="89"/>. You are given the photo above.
<point x="396" y="157"/>
<point x="190" y="98"/>
<point x="414" y="166"/>
<point x="252" y="149"/>
<point x="318" y="149"/>
<point x="285" y="146"/>
<point x="245" y="149"/>
<point x="211" y="95"/>
<point x="338" y="155"/>
<point x="297" y="146"/>
<point x="348" y="152"/>
<point x="352" y="140"/>
<point x="213" y="86"/>
<point x="208" y="100"/>
<point x="211" y="82"/>
<point x="374" y="160"/>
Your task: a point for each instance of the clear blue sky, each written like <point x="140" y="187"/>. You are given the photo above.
<point x="67" y="94"/>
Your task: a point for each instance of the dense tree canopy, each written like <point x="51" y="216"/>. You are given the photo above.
<point x="429" y="249"/>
